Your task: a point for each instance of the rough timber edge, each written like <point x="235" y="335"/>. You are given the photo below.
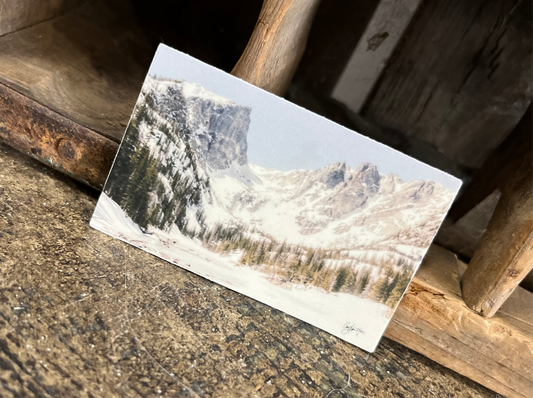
<point x="433" y="320"/>
<point x="52" y="139"/>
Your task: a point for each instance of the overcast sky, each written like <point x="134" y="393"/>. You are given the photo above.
<point x="284" y="136"/>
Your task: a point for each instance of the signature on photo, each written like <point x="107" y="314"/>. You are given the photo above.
<point x="350" y="328"/>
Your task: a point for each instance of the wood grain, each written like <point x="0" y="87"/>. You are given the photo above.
<point x="19" y="14"/>
<point x="85" y="315"/>
<point x="460" y="79"/>
<point x="87" y="65"/>
<point x="505" y="253"/>
<point x="277" y="44"/>
<point x="433" y="320"/>
<point x="502" y="163"/>
<point x="54" y="140"/>
<point x="502" y="258"/>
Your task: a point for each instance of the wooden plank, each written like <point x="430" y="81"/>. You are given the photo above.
<point x="460" y="79"/>
<point x="87" y="65"/>
<point x="277" y="44"/>
<point x="433" y="320"/>
<point x="54" y="140"/>
<point x="19" y="14"/>
<point x="326" y="55"/>
<point x="376" y="46"/>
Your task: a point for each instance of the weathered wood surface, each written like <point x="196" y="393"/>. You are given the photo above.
<point x="55" y="140"/>
<point x="433" y="320"/>
<point x="503" y="256"/>
<point x="20" y="14"/>
<point x="505" y="161"/>
<point x="505" y="253"/>
<point x="462" y="237"/>
<point x="277" y="44"/>
<point x="369" y="58"/>
<point x="87" y="65"/>
<point x="84" y="315"/>
<point x="461" y="77"/>
<point x="336" y="30"/>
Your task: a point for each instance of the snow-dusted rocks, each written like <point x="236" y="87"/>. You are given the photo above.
<point x="216" y="126"/>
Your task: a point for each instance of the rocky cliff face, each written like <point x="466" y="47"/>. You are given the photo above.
<point x="216" y="128"/>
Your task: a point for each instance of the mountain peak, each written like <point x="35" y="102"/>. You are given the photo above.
<point x="334" y="174"/>
<point x="396" y="178"/>
<point x="195" y="90"/>
<point x="390" y="184"/>
<point x="420" y="190"/>
<point x="216" y="127"/>
<point x="369" y="176"/>
<point x="366" y="167"/>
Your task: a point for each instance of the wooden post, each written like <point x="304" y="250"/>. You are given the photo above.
<point x="505" y="253"/>
<point x="503" y="256"/>
<point x="277" y="44"/>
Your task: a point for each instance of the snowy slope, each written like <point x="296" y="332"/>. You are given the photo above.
<point x="307" y="303"/>
<point x="323" y="208"/>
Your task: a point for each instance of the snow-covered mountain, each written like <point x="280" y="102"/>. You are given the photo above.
<point x="200" y="142"/>
<point x="336" y="206"/>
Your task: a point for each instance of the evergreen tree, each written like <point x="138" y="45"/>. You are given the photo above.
<point x="402" y="281"/>
<point x="351" y="281"/>
<point x="261" y="255"/>
<point x="342" y="275"/>
<point x="362" y="282"/>
<point x="141" y="184"/>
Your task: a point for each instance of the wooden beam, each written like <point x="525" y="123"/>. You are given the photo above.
<point x="460" y="79"/>
<point x="495" y="172"/>
<point x="373" y="51"/>
<point x="433" y="320"/>
<point x="55" y="140"/>
<point x="277" y="44"/>
<point x="502" y="258"/>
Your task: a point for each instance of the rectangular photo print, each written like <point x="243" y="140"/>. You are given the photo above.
<point x="259" y="195"/>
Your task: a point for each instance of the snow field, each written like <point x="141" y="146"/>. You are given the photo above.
<point x="330" y="312"/>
